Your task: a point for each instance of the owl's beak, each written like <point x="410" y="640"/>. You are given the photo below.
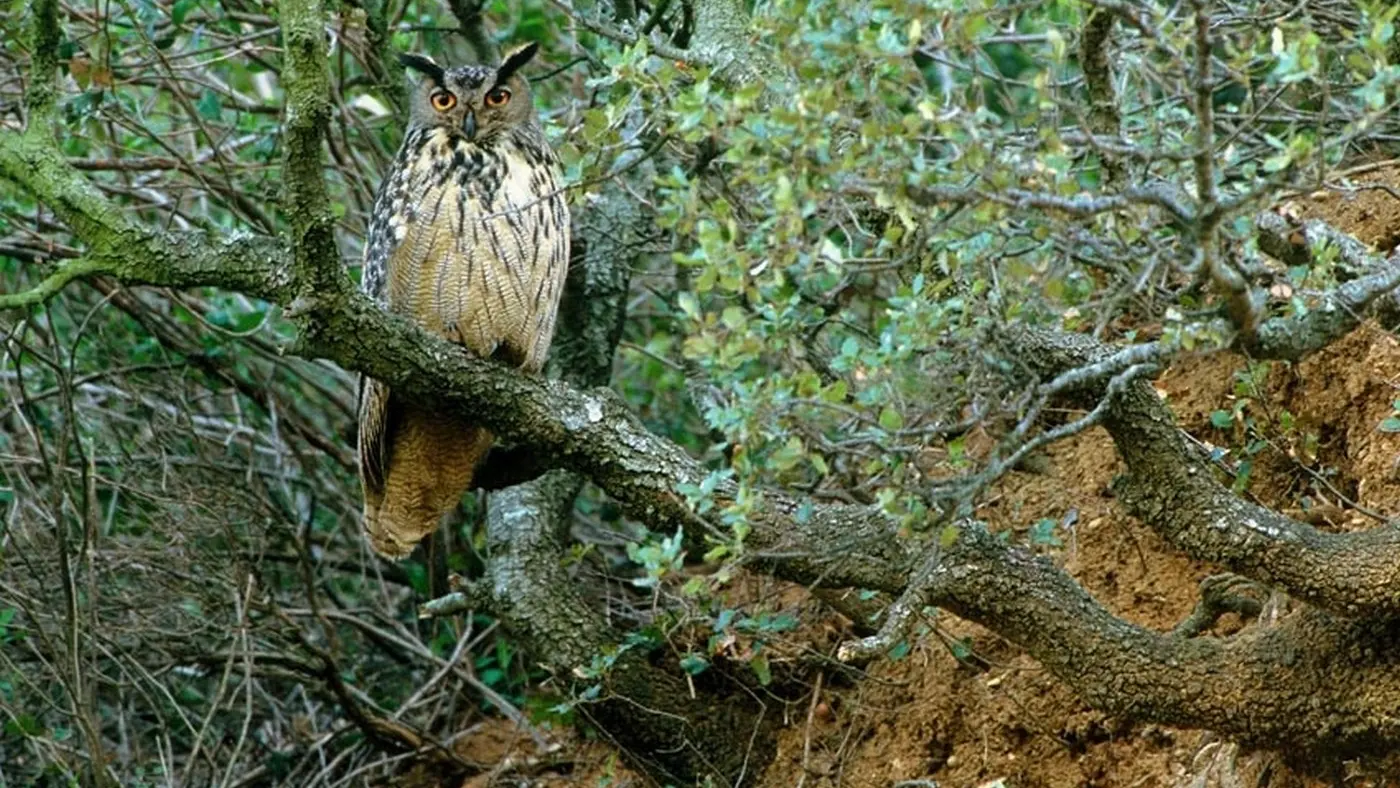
<point x="469" y="125"/>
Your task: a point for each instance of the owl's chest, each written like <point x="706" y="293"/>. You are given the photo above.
<point x="481" y="239"/>
<point x="477" y="183"/>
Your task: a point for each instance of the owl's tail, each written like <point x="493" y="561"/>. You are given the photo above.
<point x="431" y="463"/>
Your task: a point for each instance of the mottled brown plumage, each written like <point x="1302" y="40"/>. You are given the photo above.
<point x="470" y="236"/>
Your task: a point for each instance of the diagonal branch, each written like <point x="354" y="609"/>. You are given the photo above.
<point x="1171" y="488"/>
<point x="1270" y="686"/>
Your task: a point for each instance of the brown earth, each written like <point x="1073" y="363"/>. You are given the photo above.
<point x="997" y="719"/>
<point x="964" y="709"/>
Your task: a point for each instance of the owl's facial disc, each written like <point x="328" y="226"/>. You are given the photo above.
<point x="477" y="102"/>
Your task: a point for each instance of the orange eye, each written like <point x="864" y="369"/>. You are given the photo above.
<point x="498" y="97"/>
<point x="443" y="101"/>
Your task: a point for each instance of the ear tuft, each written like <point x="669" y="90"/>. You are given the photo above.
<point x="515" y="59"/>
<point x="423" y="65"/>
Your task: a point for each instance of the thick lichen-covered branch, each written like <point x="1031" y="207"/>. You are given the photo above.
<point x="308" y="111"/>
<point x="1103" y="117"/>
<point x="1314" y="676"/>
<point x="254" y="265"/>
<point x="1171" y="487"/>
<point x="722" y="39"/>
<point x="44" y="38"/>
<point x="1337" y="311"/>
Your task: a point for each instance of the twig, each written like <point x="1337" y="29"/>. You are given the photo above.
<point x="49" y="287"/>
<point x="807" y="736"/>
<point x="1220" y="594"/>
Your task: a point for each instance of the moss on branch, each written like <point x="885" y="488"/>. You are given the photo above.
<point x="1170" y="487"/>
<point x="308" y="113"/>
<point x="44" y="39"/>
<point x="73" y="269"/>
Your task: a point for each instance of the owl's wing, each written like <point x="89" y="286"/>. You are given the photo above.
<point x="375" y="408"/>
<point x="377" y="423"/>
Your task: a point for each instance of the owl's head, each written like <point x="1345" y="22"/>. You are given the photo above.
<point x="479" y="102"/>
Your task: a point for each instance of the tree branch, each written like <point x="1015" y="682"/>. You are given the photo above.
<point x="42" y="94"/>
<point x="1098" y="80"/>
<point x="1161" y="195"/>
<point x="1171" y="488"/>
<point x="73" y="269"/>
<point x="307" y="117"/>
<point x="1276" y="686"/>
<point x="618" y="35"/>
<point x="254" y="265"/>
<point x="1339" y="310"/>
<point x="471" y="23"/>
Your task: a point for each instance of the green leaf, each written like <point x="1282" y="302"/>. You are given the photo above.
<point x="181" y="9"/>
<point x="761" y="669"/>
<point x="209" y="106"/>
<point x="891" y="419"/>
<point x="1043" y="533"/>
<point x="948" y="537"/>
<point x="1221" y="419"/>
<point x="733" y="318"/>
<point x="24" y="725"/>
<point x="688" y="304"/>
<point x="694" y="664"/>
<point x="1391" y="424"/>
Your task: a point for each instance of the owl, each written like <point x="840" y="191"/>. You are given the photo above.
<point x="470" y="237"/>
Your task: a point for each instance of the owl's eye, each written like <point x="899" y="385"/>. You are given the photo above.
<point x="443" y="101"/>
<point x="498" y="97"/>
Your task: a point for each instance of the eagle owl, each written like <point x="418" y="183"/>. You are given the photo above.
<point x="470" y="237"/>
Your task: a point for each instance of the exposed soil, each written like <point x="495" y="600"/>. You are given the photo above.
<point x="965" y="709"/>
<point x="1363" y="201"/>
<point x="997" y="718"/>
